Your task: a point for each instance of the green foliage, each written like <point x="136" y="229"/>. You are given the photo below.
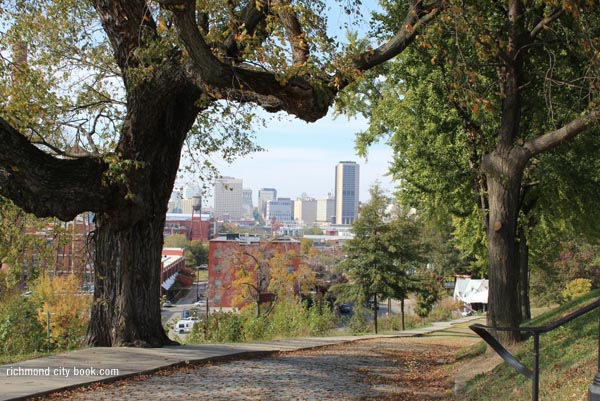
<point x="196" y="254"/>
<point x="576" y="289"/>
<point x="176" y="241"/>
<point x="21" y="249"/>
<point x="20" y="331"/>
<point x="428" y="293"/>
<point x="385" y="251"/>
<point x="568" y="361"/>
<point x="288" y="319"/>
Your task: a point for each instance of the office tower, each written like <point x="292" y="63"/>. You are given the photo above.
<point x="305" y="210"/>
<point x="346" y="192"/>
<point x="264" y="195"/>
<point x="247" y="205"/>
<point x="228" y="198"/>
<point x="281" y="209"/>
<point x="326" y="210"/>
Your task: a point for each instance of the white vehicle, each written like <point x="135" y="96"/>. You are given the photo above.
<point x="185" y="325"/>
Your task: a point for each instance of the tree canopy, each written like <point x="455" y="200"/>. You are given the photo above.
<point x="472" y="111"/>
<point x="100" y="99"/>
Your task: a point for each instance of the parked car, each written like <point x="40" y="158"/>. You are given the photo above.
<point x="167" y="304"/>
<point x="345" y="309"/>
<point x="186" y="325"/>
<point x="372" y="305"/>
<point x="201" y="302"/>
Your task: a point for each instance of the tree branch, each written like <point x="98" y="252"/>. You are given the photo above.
<point x="552" y="139"/>
<point x="416" y="18"/>
<point x="123" y="22"/>
<point x="49" y="186"/>
<point x="254" y="17"/>
<point x="544" y="22"/>
<point x="294" y="31"/>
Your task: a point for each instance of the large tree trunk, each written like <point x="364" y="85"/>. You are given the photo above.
<point x="126" y="309"/>
<point x="504" y="171"/>
<point x="129" y="238"/>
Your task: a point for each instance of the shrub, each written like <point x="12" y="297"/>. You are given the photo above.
<point x="289" y="318"/>
<point x="576" y="289"/>
<point x="20" y="331"/>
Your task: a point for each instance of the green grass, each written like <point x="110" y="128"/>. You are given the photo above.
<point x="568" y="361"/>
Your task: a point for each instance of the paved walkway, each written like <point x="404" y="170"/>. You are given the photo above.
<point x="40" y="376"/>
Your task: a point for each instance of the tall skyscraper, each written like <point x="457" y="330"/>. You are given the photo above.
<point x="228" y="198"/>
<point x="265" y="195"/>
<point x="346" y="192"/>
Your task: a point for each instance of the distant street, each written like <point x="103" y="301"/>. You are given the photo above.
<point x="176" y="312"/>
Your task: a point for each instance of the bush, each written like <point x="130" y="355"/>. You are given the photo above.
<point x="576" y="289"/>
<point x="446" y="309"/>
<point x="20" y="331"/>
<point x="288" y="318"/>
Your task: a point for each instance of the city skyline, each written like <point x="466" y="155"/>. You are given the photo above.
<point x="299" y="158"/>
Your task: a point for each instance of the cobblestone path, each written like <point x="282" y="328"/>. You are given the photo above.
<point x="416" y="369"/>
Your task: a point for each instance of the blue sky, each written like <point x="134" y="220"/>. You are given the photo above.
<point x="301" y="157"/>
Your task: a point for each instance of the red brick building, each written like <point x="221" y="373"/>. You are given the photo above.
<point x="195" y="227"/>
<point x="173" y="274"/>
<point x="227" y="250"/>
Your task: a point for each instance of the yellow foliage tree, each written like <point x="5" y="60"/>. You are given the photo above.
<point x="69" y="309"/>
<point x="261" y="271"/>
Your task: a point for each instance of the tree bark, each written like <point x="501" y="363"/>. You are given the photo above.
<point x="523" y="261"/>
<point x="402" y="313"/>
<point x="504" y="170"/>
<point x="126" y="309"/>
<point x="375" y="311"/>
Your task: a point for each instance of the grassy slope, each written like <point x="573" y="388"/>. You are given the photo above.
<point x="568" y="361"/>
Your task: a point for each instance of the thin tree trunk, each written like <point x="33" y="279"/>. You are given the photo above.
<point x="402" y="313"/>
<point x="523" y="258"/>
<point x="375" y="311"/>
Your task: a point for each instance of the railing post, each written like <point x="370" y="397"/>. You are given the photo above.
<point x="535" y="381"/>
<point x="594" y="389"/>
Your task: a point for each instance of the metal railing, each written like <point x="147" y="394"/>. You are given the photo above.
<point x="534" y="373"/>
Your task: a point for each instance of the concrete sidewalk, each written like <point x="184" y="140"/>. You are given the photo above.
<point x="36" y="377"/>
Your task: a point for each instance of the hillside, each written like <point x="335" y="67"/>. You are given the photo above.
<point x="568" y="361"/>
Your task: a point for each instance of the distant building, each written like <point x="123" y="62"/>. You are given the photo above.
<point x="305" y="210"/>
<point x="247" y="205"/>
<point x="173" y="274"/>
<point x="281" y="210"/>
<point x="227" y="251"/>
<point x="228" y="197"/>
<point x="265" y="195"/>
<point x="347" y="177"/>
<point x="195" y="227"/>
<point x="326" y="210"/>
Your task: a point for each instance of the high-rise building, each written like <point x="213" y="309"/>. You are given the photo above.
<point x="305" y="210"/>
<point x="228" y="197"/>
<point x="346" y="192"/>
<point x="282" y="209"/>
<point x="265" y="195"/>
<point x="247" y="205"/>
<point x="326" y="210"/>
